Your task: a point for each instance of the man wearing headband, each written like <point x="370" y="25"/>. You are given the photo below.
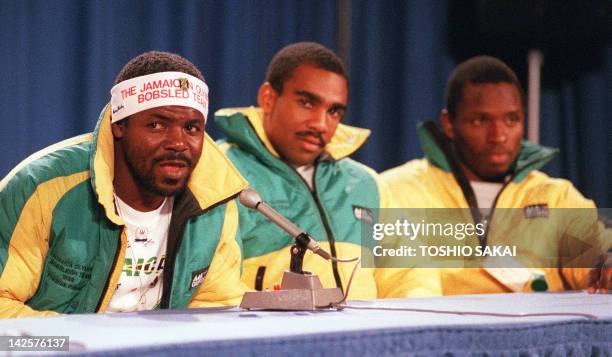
<point x="137" y="215"/>
<point x="294" y="151"/>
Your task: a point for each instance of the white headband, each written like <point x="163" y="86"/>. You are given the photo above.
<point x="157" y="90"/>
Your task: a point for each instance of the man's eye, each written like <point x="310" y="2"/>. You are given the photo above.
<point x="154" y="125"/>
<point x="192" y="128"/>
<point x="336" y="112"/>
<point x="305" y="103"/>
<point x="478" y="121"/>
<point x="512" y="120"/>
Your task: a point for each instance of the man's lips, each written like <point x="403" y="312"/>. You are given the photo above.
<point x="498" y="157"/>
<point x="173" y="168"/>
<point x="312" y="141"/>
<point x="174" y="163"/>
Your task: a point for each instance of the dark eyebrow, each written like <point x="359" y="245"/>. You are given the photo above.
<point x="484" y="112"/>
<point x="309" y="95"/>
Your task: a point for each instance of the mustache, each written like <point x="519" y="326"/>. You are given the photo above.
<point x="498" y="151"/>
<point x="173" y="157"/>
<point x="314" y="134"/>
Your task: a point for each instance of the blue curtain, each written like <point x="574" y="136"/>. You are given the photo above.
<point x="399" y="67"/>
<point x="401" y="58"/>
<point x="575" y="119"/>
<point x="59" y="60"/>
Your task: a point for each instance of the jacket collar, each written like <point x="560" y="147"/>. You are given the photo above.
<point x="438" y="151"/>
<point x="213" y="180"/>
<point x="250" y="133"/>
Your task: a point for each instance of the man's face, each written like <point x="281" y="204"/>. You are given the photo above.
<point x="487" y="129"/>
<point x="302" y="119"/>
<point x="161" y="146"/>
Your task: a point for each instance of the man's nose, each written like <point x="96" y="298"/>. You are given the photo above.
<point x="497" y="132"/>
<point x="175" y="139"/>
<point x="319" y="121"/>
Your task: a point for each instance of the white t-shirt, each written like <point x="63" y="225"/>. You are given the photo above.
<point x="485" y="195"/>
<point x="506" y="270"/>
<point x="140" y="284"/>
<point x="306" y="171"/>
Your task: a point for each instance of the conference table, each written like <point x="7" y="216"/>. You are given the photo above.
<point x="568" y="323"/>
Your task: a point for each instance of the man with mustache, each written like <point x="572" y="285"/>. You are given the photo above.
<point x="480" y="161"/>
<point x="137" y="215"/>
<point x="294" y="151"/>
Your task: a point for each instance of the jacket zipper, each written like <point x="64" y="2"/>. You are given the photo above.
<point x="483" y="242"/>
<point x="166" y="299"/>
<point x="486" y="235"/>
<point x="324" y="221"/>
<point x="330" y="236"/>
<point x="476" y="216"/>
<point x="466" y="187"/>
<point x="168" y="274"/>
<point x="460" y="178"/>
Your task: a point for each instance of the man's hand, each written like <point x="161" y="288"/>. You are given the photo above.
<point x="600" y="277"/>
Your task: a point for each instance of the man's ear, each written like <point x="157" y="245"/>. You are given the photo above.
<point x="266" y="97"/>
<point x="447" y="124"/>
<point x="118" y="129"/>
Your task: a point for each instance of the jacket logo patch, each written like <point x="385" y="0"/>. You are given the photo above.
<point x="536" y="211"/>
<point x="363" y="214"/>
<point x="197" y="277"/>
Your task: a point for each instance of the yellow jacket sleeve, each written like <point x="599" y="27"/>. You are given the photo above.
<point x="408" y="282"/>
<point x="401" y="282"/>
<point x="222" y="286"/>
<point x="585" y="238"/>
<point x="26" y="249"/>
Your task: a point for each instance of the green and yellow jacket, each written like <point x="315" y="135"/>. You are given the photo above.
<point x="62" y="245"/>
<point x="437" y="182"/>
<point x="344" y="193"/>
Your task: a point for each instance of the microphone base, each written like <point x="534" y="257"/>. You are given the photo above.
<point x="298" y="292"/>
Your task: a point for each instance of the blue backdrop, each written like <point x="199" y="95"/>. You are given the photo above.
<point x="59" y="60"/>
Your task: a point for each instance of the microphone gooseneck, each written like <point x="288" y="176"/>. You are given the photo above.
<point x="251" y="199"/>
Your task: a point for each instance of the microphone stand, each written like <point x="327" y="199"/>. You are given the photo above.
<point x="297" y="254"/>
<point x="299" y="289"/>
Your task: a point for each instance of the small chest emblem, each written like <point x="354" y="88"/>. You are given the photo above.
<point x="197" y="277"/>
<point x="536" y="211"/>
<point x="363" y="214"/>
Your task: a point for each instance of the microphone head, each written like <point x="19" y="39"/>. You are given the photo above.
<point x="249" y="198"/>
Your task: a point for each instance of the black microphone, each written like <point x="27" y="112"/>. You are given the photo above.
<point x="251" y="199"/>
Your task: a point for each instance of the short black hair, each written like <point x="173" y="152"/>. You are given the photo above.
<point x="154" y="62"/>
<point x="478" y="70"/>
<point x="284" y="63"/>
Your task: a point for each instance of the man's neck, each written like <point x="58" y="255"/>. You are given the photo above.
<point x="138" y="200"/>
<point x="130" y="191"/>
<point x="474" y="177"/>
